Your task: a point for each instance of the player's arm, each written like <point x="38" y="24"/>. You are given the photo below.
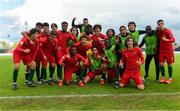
<point x="141" y="57"/>
<point x="142" y="42"/>
<point x="171" y="37"/>
<point x="73" y="23"/>
<point x="25" y="34"/>
<point x="73" y="38"/>
<point x="20" y="45"/>
<point x="35" y="53"/>
<point x="62" y="60"/>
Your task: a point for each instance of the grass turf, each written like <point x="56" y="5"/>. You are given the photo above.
<point x="114" y="102"/>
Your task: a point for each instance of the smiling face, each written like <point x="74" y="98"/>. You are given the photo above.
<point x="130" y="43"/>
<point x="123" y="31"/>
<point x="73" y="50"/>
<point x="160" y="25"/>
<point x="131" y="27"/>
<point x="64" y="27"/>
<point x="110" y="33"/>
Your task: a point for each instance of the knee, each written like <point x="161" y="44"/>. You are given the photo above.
<point x="141" y="87"/>
<point x="122" y="85"/>
<point x="17" y="66"/>
<point x="67" y="82"/>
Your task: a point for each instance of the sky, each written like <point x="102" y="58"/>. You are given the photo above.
<point x="108" y="13"/>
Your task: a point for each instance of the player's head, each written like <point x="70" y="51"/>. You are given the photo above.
<point x="85" y="21"/>
<point x="148" y="29"/>
<point x="110" y="33"/>
<point x="54" y="27"/>
<point x="83" y="40"/>
<point x="38" y="26"/>
<point x="73" y="50"/>
<point x="108" y="43"/>
<point x="160" y="24"/>
<point x="130" y="42"/>
<point x="34" y="33"/>
<point x="64" y="26"/>
<point x="97" y="29"/>
<point x="52" y="35"/>
<point x="74" y="31"/>
<point x="123" y="30"/>
<point x="132" y="26"/>
<point x="88" y="30"/>
<point x="94" y="50"/>
<point x="45" y="27"/>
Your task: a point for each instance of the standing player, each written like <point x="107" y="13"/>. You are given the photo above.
<point x="63" y="36"/>
<point x="110" y="33"/>
<point x="166" y="50"/>
<point x="150" y="40"/>
<point x="71" y="63"/>
<point x="85" y="28"/>
<point x="135" y="33"/>
<point x="98" y="38"/>
<point x="25" y="51"/>
<point x="132" y="56"/>
<point x="49" y="46"/>
<point x="112" y="67"/>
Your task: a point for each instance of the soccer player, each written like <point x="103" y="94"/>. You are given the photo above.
<point x="135" y="33"/>
<point x="110" y="33"/>
<point x="166" y="50"/>
<point x="150" y="40"/>
<point x="132" y="56"/>
<point x="112" y="66"/>
<point x="26" y="34"/>
<point x="98" y="38"/>
<point x="63" y="36"/>
<point x="54" y="27"/>
<point x="85" y="28"/>
<point x="82" y="48"/>
<point x="26" y="51"/>
<point x="75" y="33"/>
<point x="96" y="66"/>
<point x="49" y="46"/>
<point x="71" y="63"/>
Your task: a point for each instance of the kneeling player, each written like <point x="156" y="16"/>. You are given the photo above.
<point x="26" y="51"/>
<point x="132" y="56"/>
<point x="71" y="63"/>
<point x="96" y="66"/>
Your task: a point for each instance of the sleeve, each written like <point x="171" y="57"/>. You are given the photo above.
<point x="123" y="57"/>
<point x="62" y="60"/>
<point x="73" y="24"/>
<point x="72" y="38"/>
<point x="20" y="45"/>
<point x="142" y="42"/>
<point x="79" y="57"/>
<point x="171" y="37"/>
<point x="141" y="32"/>
<point x="141" y="55"/>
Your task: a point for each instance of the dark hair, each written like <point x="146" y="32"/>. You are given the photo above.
<point x="76" y="29"/>
<point x="54" y="24"/>
<point x="83" y="36"/>
<point x="147" y="27"/>
<point x="110" y="30"/>
<point x="53" y="33"/>
<point x="122" y="27"/>
<point x="132" y="22"/>
<point x="38" y="24"/>
<point x="134" y="42"/>
<point x="33" y="31"/>
<point x="85" y="19"/>
<point x="97" y="26"/>
<point x="94" y="47"/>
<point x="45" y="24"/>
<point x="64" y="22"/>
<point x="88" y="30"/>
<point x="161" y="20"/>
<point x="73" y="46"/>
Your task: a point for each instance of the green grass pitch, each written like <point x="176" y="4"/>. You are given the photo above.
<point x="144" y="101"/>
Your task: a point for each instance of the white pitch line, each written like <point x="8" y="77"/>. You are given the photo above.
<point x="88" y="95"/>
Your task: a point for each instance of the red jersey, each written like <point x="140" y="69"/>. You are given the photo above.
<point x="98" y="41"/>
<point x="165" y="46"/>
<point x="82" y="49"/>
<point x="26" y="44"/>
<point x="129" y="57"/>
<point x="71" y="61"/>
<point x="63" y="38"/>
<point x="48" y="47"/>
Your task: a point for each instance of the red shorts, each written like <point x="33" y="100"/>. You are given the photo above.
<point x="92" y="74"/>
<point x="17" y="58"/>
<point x="68" y="70"/>
<point x="135" y="75"/>
<point x="50" y="58"/>
<point x="111" y="74"/>
<point x="39" y="57"/>
<point x="168" y="56"/>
